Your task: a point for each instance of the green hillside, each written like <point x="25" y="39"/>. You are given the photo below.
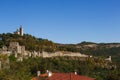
<point x="38" y="44"/>
<point x="95" y="67"/>
<point x="30" y="42"/>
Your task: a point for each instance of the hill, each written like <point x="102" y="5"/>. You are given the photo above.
<point x="95" y="49"/>
<point x="38" y="44"/>
<point x="95" y="67"/>
<point x="30" y="42"/>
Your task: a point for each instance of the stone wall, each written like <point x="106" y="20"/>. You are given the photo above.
<point x="59" y="53"/>
<point x="15" y="48"/>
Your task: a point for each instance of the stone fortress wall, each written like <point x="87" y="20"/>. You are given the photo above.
<point x="15" y="48"/>
<point x="55" y="54"/>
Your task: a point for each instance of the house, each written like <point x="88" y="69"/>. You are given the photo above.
<point x="61" y="76"/>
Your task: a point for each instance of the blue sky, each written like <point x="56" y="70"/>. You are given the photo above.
<point x="63" y="21"/>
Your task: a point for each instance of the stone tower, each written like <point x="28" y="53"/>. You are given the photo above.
<point x="16" y="48"/>
<point x="21" y="30"/>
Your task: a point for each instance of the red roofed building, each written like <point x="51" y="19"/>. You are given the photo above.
<point x="62" y="76"/>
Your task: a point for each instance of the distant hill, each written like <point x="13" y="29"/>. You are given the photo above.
<point x="95" y="49"/>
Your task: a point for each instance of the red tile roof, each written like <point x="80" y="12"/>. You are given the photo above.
<point x="66" y="76"/>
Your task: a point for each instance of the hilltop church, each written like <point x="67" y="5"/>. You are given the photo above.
<point x="19" y="31"/>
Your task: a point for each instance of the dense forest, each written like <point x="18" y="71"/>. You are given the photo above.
<point x="25" y="70"/>
<point x="94" y="67"/>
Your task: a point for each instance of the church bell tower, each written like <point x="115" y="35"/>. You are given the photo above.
<point x="21" y="30"/>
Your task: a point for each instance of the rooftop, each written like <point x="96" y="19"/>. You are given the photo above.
<point x="63" y="76"/>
